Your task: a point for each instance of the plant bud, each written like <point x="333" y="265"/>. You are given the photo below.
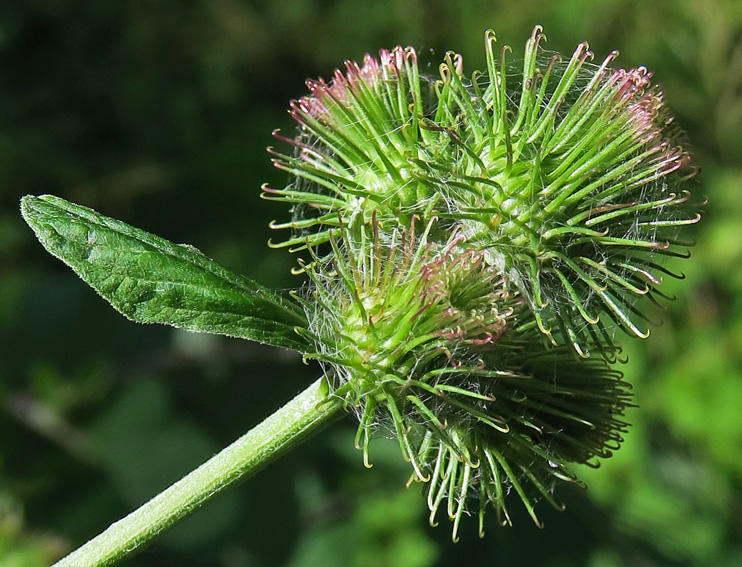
<point x="475" y="243"/>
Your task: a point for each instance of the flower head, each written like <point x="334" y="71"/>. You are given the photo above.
<point x="403" y="322"/>
<point x="475" y="242"/>
<point x="559" y="412"/>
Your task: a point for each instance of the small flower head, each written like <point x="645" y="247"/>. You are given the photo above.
<point x="358" y="134"/>
<point x="558" y="411"/>
<point x="397" y="322"/>
<point x="572" y="177"/>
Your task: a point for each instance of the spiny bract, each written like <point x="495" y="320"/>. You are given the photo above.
<point x="474" y="243"/>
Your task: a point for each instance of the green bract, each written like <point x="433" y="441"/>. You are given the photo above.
<point x="571" y="177"/>
<point x="547" y="197"/>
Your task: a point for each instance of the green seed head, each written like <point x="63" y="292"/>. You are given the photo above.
<point x="475" y="242"/>
<point x="384" y="313"/>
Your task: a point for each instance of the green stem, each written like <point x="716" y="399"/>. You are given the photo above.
<point x="304" y="415"/>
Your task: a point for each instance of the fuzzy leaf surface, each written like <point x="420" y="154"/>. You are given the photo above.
<point x="151" y="280"/>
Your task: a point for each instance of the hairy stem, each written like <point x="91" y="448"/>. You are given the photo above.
<point x="306" y="414"/>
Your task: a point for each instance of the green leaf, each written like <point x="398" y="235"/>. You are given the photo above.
<point x="151" y="280"/>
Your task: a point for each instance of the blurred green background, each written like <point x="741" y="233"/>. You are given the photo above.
<point x="158" y="112"/>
